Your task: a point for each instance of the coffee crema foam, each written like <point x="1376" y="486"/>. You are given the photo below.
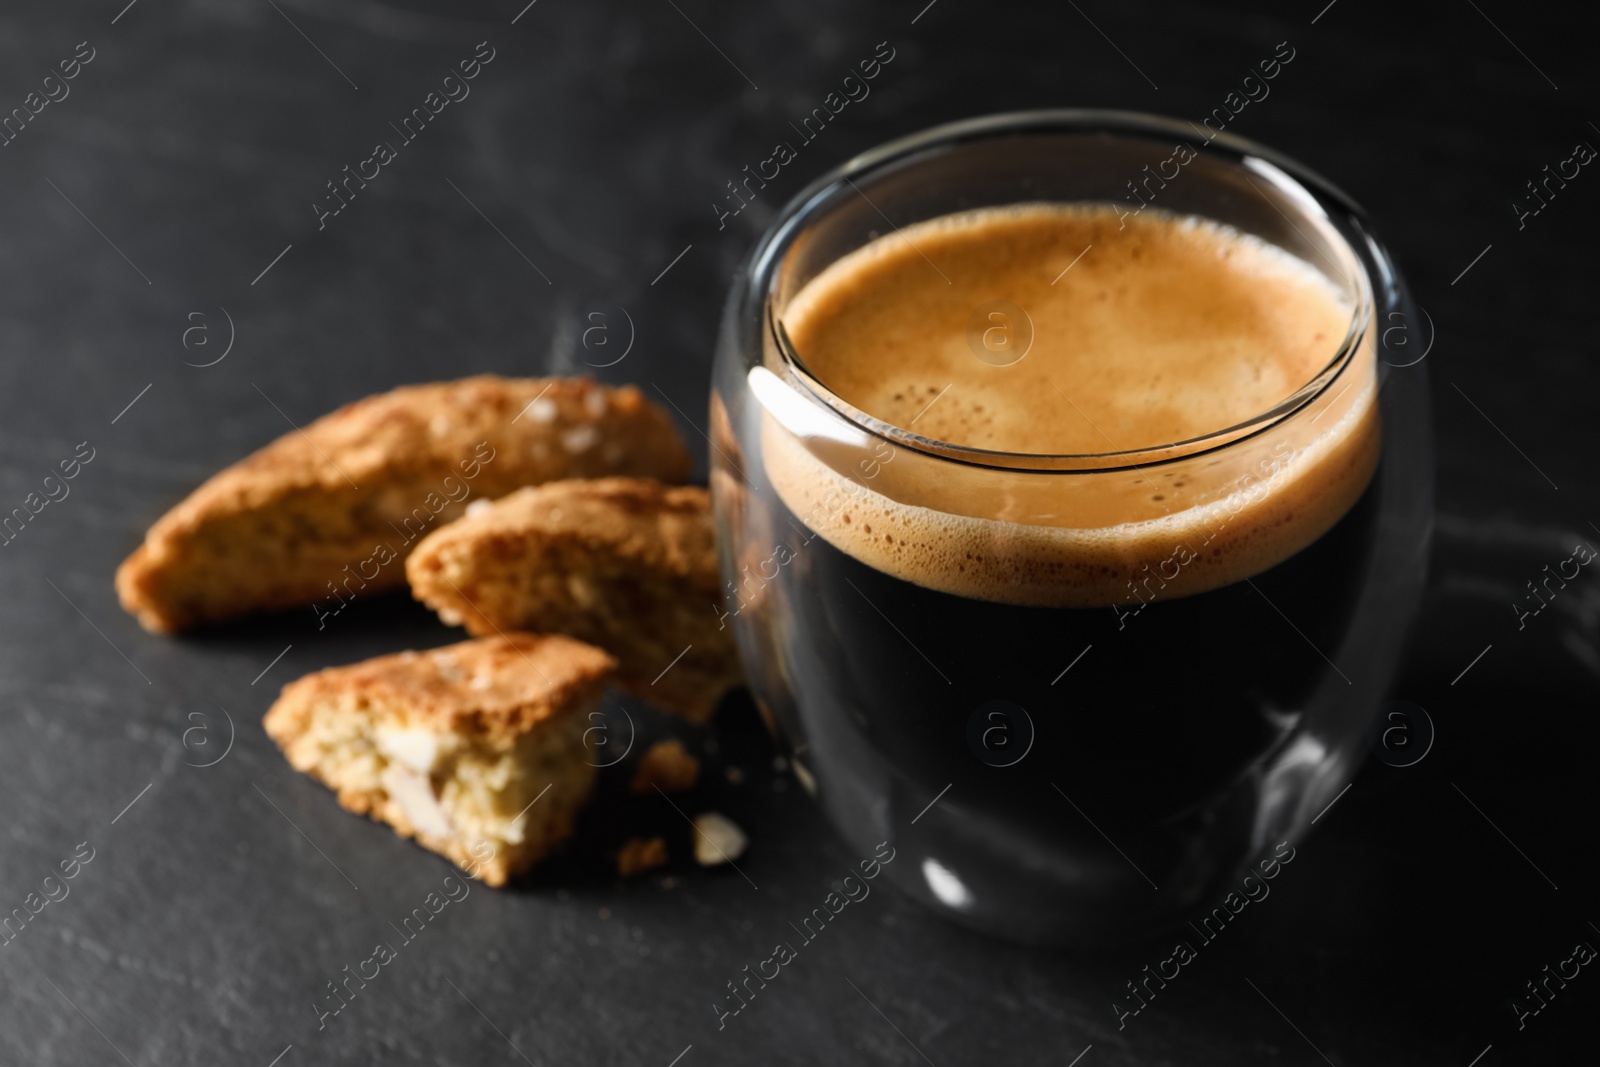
<point x="1167" y="329"/>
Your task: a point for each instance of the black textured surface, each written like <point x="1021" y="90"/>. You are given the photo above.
<point x="215" y="908"/>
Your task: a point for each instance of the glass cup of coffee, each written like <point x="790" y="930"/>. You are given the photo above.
<point x="1073" y="499"/>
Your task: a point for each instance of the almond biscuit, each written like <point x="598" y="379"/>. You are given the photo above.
<point x="475" y="750"/>
<point x="326" y="513"/>
<point x="627" y="564"/>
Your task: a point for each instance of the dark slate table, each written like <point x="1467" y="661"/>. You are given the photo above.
<point x="163" y="203"/>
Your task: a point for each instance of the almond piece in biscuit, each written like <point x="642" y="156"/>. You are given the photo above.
<point x="321" y="515"/>
<point x="627" y="564"/>
<point x="475" y="750"/>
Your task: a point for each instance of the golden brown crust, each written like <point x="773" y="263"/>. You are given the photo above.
<point x="624" y="563"/>
<point x="302" y="520"/>
<point x="497" y="687"/>
<point x="475" y="750"/>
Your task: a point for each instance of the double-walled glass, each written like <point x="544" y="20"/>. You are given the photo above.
<point x="1047" y="769"/>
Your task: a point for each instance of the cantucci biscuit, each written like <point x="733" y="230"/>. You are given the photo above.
<point x="627" y="564"/>
<point x="475" y="750"/>
<point x="326" y="513"/>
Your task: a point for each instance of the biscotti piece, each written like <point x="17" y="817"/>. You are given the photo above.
<point x="627" y="564"/>
<point x="323" y="515"/>
<point x="475" y="750"/>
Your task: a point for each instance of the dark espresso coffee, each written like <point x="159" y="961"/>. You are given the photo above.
<point x="1088" y="667"/>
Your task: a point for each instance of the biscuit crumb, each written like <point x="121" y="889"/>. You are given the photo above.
<point x="667" y="766"/>
<point x="640" y="854"/>
<point x="717" y="839"/>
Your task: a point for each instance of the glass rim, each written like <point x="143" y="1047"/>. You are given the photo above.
<point x="1284" y="173"/>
